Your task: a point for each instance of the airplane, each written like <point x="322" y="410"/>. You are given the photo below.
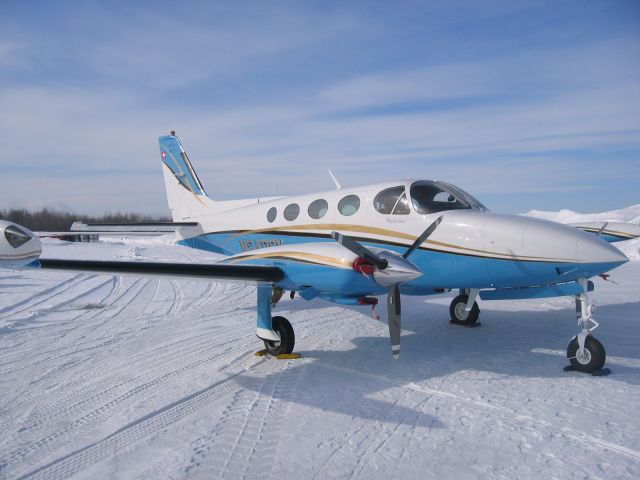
<point x="351" y="245"/>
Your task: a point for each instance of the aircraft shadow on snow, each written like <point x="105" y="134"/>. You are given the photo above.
<point x="509" y="343"/>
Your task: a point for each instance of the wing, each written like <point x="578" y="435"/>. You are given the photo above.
<point x="246" y="273"/>
<point x="79" y="229"/>
<point x="611" y="231"/>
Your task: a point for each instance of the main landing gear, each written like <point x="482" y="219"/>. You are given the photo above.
<point x="287" y="338"/>
<point x="585" y="353"/>
<point x="276" y="332"/>
<point x="464" y="309"/>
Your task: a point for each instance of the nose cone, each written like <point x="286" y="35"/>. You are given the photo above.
<point x="593" y="250"/>
<point x="535" y="252"/>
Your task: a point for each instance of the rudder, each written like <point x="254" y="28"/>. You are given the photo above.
<point x="185" y="194"/>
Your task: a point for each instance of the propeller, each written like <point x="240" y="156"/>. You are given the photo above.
<point x="399" y="270"/>
<point x="422" y="238"/>
<point x="394" y="318"/>
<point x="361" y="251"/>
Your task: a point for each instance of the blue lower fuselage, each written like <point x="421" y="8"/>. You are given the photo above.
<point x="441" y="270"/>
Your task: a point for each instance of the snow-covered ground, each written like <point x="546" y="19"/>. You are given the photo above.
<point x="123" y="377"/>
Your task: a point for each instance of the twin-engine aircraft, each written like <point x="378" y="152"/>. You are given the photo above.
<point x="350" y="245"/>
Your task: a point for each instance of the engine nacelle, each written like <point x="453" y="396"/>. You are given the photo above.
<point x="18" y="246"/>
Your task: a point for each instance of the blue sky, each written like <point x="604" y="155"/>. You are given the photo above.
<point x="527" y="105"/>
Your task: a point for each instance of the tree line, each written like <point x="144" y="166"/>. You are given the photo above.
<point x="46" y="220"/>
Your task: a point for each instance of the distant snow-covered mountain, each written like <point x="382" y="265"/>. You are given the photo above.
<point x="631" y="248"/>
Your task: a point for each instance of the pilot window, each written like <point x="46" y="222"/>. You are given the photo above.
<point x="349" y="205"/>
<point x="291" y="212"/>
<point x="271" y="214"/>
<point x="431" y="197"/>
<point x="392" y="201"/>
<point x="318" y="208"/>
<point x="15" y="236"/>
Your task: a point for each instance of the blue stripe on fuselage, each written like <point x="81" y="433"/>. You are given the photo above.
<point x="440" y="269"/>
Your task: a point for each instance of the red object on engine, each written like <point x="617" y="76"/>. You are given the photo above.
<point x="367" y="301"/>
<point x="361" y="265"/>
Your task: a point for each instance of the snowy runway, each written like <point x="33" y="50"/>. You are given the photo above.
<point x="124" y="377"/>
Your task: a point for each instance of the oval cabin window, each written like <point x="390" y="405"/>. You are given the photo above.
<point x="291" y="212"/>
<point x="271" y="214"/>
<point x="318" y="208"/>
<point x="349" y="205"/>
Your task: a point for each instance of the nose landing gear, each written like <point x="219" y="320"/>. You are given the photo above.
<point x="585" y="353"/>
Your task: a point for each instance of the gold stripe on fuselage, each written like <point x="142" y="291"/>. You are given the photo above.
<point x="297" y="256"/>
<point x="404" y="236"/>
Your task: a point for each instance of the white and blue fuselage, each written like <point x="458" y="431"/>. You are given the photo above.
<point x="471" y="248"/>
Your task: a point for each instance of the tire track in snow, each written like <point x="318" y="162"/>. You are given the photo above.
<point x="250" y="429"/>
<point x="38" y="346"/>
<point x="572" y="433"/>
<point x="42" y="296"/>
<point x="46" y="445"/>
<point x="244" y="440"/>
<point x="149" y="363"/>
<point x="132" y="433"/>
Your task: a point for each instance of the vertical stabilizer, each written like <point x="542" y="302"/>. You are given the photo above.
<point x="185" y="194"/>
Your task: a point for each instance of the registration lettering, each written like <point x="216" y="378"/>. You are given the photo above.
<point x="260" y="243"/>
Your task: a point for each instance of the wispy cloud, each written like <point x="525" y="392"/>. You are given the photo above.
<point x="267" y="99"/>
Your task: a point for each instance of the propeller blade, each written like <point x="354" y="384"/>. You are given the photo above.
<point x="361" y="251"/>
<point x="422" y="238"/>
<point x="393" y="314"/>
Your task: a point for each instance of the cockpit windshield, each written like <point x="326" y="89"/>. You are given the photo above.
<point x="432" y="197"/>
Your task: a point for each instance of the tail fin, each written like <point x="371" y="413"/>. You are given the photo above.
<point x="185" y="194"/>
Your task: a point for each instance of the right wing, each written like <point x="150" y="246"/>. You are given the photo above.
<point x="610" y="231"/>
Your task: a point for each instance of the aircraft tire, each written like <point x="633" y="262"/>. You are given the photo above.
<point x="593" y="359"/>
<point x="287" y="337"/>
<point x="459" y="315"/>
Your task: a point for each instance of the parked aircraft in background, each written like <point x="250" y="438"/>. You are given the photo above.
<point x="349" y="245"/>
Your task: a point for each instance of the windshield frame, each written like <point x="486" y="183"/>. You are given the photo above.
<point x="463" y="200"/>
<point x="473" y="202"/>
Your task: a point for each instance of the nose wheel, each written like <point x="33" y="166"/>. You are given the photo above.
<point x="585" y="352"/>
<point x="590" y="358"/>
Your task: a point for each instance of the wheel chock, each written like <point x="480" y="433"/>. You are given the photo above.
<point x="288" y="356"/>
<point x="261" y="353"/>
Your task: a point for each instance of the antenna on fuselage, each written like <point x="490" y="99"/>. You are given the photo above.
<point x="335" y="180"/>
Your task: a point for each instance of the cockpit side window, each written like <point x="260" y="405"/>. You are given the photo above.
<point x="392" y="201"/>
<point x="15" y="236"/>
<point x="430" y="197"/>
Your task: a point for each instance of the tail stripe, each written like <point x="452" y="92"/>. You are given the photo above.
<point x="183" y="171"/>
